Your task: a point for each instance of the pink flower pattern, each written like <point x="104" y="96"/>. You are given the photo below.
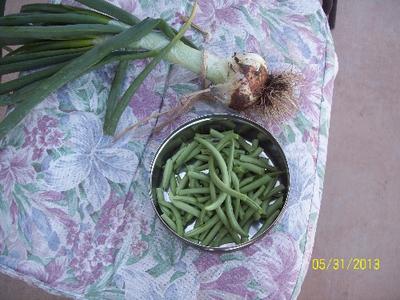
<point x="42" y="137"/>
<point x="14" y="169"/>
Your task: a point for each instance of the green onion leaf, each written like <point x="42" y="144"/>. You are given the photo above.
<point x="67" y="18"/>
<point x="73" y="69"/>
<point x="27" y="79"/>
<point x="36" y="63"/>
<point x="111" y="10"/>
<point x="52" y="45"/>
<point x="116" y="88"/>
<point x="17" y="34"/>
<point x="111" y="126"/>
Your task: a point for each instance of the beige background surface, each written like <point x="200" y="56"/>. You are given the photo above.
<point x="361" y="203"/>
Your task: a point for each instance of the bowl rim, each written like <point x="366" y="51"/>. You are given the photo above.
<point x="195" y="121"/>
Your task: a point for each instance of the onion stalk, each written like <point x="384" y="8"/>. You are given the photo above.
<point x="90" y="39"/>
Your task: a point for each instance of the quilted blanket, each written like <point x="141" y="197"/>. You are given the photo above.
<point x="75" y="215"/>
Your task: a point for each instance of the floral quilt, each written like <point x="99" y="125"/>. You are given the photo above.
<point x="75" y="215"/>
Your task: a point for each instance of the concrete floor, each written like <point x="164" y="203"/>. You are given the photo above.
<point x="360" y="209"/>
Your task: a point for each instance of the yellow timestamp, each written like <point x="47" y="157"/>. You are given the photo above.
<point x="347" y="264"/>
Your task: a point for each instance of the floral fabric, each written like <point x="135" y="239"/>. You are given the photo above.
<point x="75" y="215"/>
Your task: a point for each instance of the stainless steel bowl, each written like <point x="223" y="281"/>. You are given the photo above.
<point x="246" y="128"/>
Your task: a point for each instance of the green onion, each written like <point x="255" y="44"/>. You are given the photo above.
<point x="40" y="54"/>
<point x="27" y="79"/>
<point x="67" y="18"/>
<point x="61" y="32"/>
<point x="111" y="10"/>
<point x="116" y="87"/>
<point x="129" y="19"/>
<point x="74" y="68"/>
<point x="37" y="63"/>
<point x="52" y="45"/>
<point x="123" y="103"/>
<point x="48" y="7"/>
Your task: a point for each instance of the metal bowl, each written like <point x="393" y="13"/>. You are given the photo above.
<point x="246" y="128"/>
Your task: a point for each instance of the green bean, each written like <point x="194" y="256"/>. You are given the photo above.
<point x="167" y="174"/>
<point x="247" y="216"/>
<point x="169" y="221"/>
<point x="175" y="212"/>
<point x="238" y="152"/>
<point x="250" y="167"/>
<point x="213" y="232"/>
<point x="199" y="176"/>
<point x="258" y="193"/>
<point x="227" y="189"/>
<point x="269" y="187"/>
<point x="244" y="144"/>
<point x="201" y="168"/>
<point x="182" y="184"/>
<point x="182" y="158"/>
<point x="267" y="223"/>
<point x="218" y="157"/>
<point x="230" y="158"/>
<point x="246" y="228"/>
<point x="160" y="198"/>
<point x="216" y="133"/>
<point x="187" y="208"/>
<point x="196" y="151"/>
<point x="193" y="166"/>
<point x="192" y="183"/>
<point x="213" y="193"/>
<point x="207" y="225"/>
<point x="203" y="199"/>
<point x="202" y="157"/>
<point x="221" y="198"/>
<point x="278" y="204"/>
<point x="254" y="144"/>
<point x="178" y="153"/>
<point x="203" y="235"/>
<point x="230" y="238"/>
<point x="166" y="211"/>
<point x="246" y="181"/>
<point x="159" y="194"/>
<point x="276" y="190"/>
<point x="231" y="217"/>
<point x="187" y="199"/>
<point x="202" y="216"/>
<point x="217" y="240"/>
<point x="235" y="181"/>
<point x="188" y="218"/>
<point x="239" y="170"/>
<point x="221" y="215"/>
<point x="172" y="184"/>
<point x="226" y="140"/>
<point x="178" y="180"/>
<point x="196" y="190"/>
<point x="256" y="152"/>
<point x="255" y="161"/>
<point x="255" y="184"/>
<point x="203" y="135"/>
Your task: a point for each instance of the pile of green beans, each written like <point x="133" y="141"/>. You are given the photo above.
<point x="217" y="186"/>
